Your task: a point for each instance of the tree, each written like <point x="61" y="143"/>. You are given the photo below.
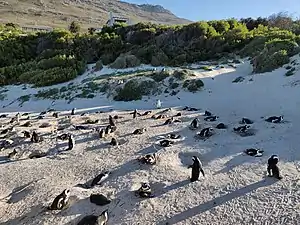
<point x="74" y="27"/>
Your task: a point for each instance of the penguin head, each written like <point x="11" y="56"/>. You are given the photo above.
<point x="195" y="158"/>
<point x="66" y="192"/>
<point x="103" y="217"/>
<point x="145" y="185"/>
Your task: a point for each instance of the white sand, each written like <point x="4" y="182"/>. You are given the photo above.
<point x="234" y="191"/>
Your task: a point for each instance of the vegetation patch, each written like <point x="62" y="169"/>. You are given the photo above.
<point x="23" y="99"/>
<point x="193" y="85"/>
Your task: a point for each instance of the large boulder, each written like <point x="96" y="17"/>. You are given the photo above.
<point x="125" y="61"/>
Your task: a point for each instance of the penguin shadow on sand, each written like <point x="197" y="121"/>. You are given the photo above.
<point x="204" y="207"/>
<point x="19" y="193"/>
<point x="160" y="189"/>
<point x="237" y="160"/>
<point x="34" y="211"/>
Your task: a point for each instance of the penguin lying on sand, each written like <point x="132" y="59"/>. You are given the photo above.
<point x="206" y="132"/>
<point x="145" y="191"/>
<point x="246" y="121"/>
<point x="241" y="129"/>
<point x="140" y="131"/>
<point x="211" y="118"/>
<point x="275" y="119"/>
<point x="166" y="143"/>
<point x="173" y="136"/>
<point x="61" y="201"/>
<point x="95" y="220"/>
<point x="254" y="152"/>
<point x="100" y="178"/>
<point x="148" y="159"/>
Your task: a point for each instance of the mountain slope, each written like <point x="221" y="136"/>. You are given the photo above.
<point x="90" y="13"/>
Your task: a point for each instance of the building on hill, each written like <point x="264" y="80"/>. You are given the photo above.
<point x="117" y="19"/>
<point x="35" y="28"/>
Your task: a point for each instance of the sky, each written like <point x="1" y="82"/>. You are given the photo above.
<point x="196" y="10"/>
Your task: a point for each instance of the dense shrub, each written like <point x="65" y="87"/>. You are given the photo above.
<point x="160" y="76"/>
<point x="99" y="65"/>
<point x="64" y="54"/>
<point x="131" y="91"/>
<point x="181" y="74"/>
<point x="193" y="85"/>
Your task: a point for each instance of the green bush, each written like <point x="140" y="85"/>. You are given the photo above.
<point x="125" y="61"/>
<point x="174" y="85"/>
<point x="130" y="92"/>
<point x="267" y="62"/>
<point x="47" y="94"/>
<point x="193" y="85"/>
<point x="160" y="76"/>
<point x="181" y="74"/>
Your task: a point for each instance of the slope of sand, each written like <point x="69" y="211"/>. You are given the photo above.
<point x="234" y="191"/>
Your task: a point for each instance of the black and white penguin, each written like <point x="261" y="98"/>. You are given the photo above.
<point x="148" y="159"/>
<point x="27" y="124"/>
<point x="111" y="121"/>
<point x="40" y="117"/>
<point x="146" y="113"/>
<point x="63" y="137"/>
<point x="140" y="131"/>
<point x="135" y="114"/>
<point x="246" y="121"/>
<point x="108" y="129"/>
<point x="113" y="142"/>
<point x="196" y="169"/>
<point x="211" y="118"/>
<point x="3" y="115"/>
<point x="169" y="121"/>
<point x="145" y="191"/>
<point x="60" y="201"/>
<point x="55" y="115"/>
<point x="273" y="170"/>
<point x="80" y="127"/>
<point x="73" y="112"/>
<point x="178" y="114"/>
<point x="12" y="154"/>
<point x="161" y="116"/>
<point x="221" y="126"/>
<point x="241" y="129"/>
<point x="195" y="124"/>
<point x="166" y="143"/>
<point x="206" y="132"/>
<point x="173" y="136"/>
<point x="102" y="133"/>
<point x="100" y="178"/>
<point x="95" y="220"/>
<point x="71" y="142"/>
<point x="254" y="152"/>
<point x="207" y="113"/>
<point x="35" y="138"/>
<point x="275" y="119"/>
<point x="26" y="134"/>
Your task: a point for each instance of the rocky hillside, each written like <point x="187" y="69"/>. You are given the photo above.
<point x="90" y="13"/>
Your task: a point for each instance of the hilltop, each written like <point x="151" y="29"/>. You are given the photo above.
<point x="89" y="13"/>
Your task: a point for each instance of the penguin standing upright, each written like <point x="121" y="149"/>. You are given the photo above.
<point x="113" y="142"/>
<point x="196" y="169"/>
<point x="194" y="124"/>
<point x="145" y="191"/>
<point x="102" y="133"/>
<point x="108" y="129"/>
<point x="71" y="142"/>
<point x="60" y="201"/>
<point x="273" y="170"/>
<point x="111" y="121"/>
<point x="35" y="137"/>
<point x="135" y="112"/>
<point x="158" y="104"/>
<point x="73" y="111"/>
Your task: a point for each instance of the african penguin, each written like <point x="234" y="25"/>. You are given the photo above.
<point x="73" y="111"/>
<point x="206" y="132"/>
<point x="273" y="170"/>
<point x="12" y="154"/>
<point x="178" y="114"/>
<point x="27" y="124"/>
<point x="196" y="169"/>
<point x="140" y="131"/>
<point x="108" y="129"/>
<point x="102" y="133"/>
<point x="246" y="121"/>
<point x="173" y="136"/>
<point x="169" y="121"/>
<point x="95" y="220"/>
<point x="135" y="112"/>
<point x="207" y="113"/>
<point x="166" y="143"/>
<point x="221" y="126"/>
<point x="145" y="191"/>
<point x="146" y="113"/>
<point x="211" y="118"/>
<point x="60" y="201"/>
<point x="35" y="138"/>
<point x="275" y="119"/>
<point x="26" y="134"/>
<point x="241" y="129"/>
<point x="71" y="142"/>
<point x="113" y="142"/>
<point x="195" y="124"/>
<point x="100" y="178"/>
<point x="254" y="152"/>
<point x="149" y="159"/>
<point x="3" y="115"/>
<point x="111" y="121"/>
<point x="55" y="114"/>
